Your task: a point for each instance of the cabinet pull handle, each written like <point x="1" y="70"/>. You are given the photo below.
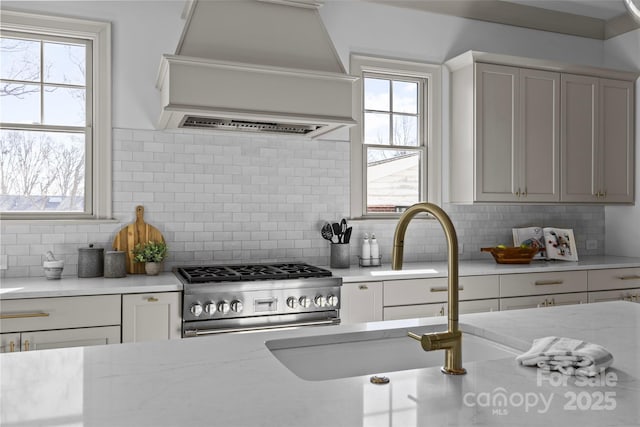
<point x="26" y="345"/>
<point x="23" y="315"/>
<point x="548" y="282"/>
<point x="152" y="299"/>
<point x="632" y="277"/>
<point x="441" y="311"/>
<point x="12" y="346"/>
<point x="553" y="301"/>
<point x="444" y="288"/>
<point x="363" y="287"/>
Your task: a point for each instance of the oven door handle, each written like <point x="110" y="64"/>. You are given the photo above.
<point x="197" y="332"/>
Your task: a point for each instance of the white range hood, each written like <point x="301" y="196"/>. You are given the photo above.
<point x="255" y="65"/>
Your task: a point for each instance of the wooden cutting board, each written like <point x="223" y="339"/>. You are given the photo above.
<point x="129" y="236"/>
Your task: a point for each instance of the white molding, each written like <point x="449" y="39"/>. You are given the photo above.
<point x="473" y="56"/>
<point x="100" y="35"/>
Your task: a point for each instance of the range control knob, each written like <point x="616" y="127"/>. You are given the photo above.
<point x="210" y="308"/>
<point x="332" y="301"/>
<point x="236" y="306"/>
<point x="196" y="309"/>
<point x="223" y="307"/>
<point x="305" y="302"/>
<point x="320" y="301"/>
<point x="292" y="302"/>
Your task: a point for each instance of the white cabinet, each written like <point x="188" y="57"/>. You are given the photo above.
<point x="10" y="342"/>
<point x="41" y="323"/>
<point x="410" y="298"/>
<point x="525" y="130"/>
<point x="361" y="302"/>
<point x="549" y="300"/>
<point x="440" y="309"/>
<point x="542" y="289"/>
<point x="512" y="285"/>
<point x="597" y="140"/>
<point x="151" y="317"/>
<point x="80" y="337"/>
<point x="614" y="284"/>
<point x="505" y="138"/>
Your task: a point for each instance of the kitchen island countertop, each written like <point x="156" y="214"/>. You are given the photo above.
<point x="234" y="380"/>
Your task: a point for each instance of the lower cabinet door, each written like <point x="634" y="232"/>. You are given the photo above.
<point x="361" y="302"/>
<point x="42" y="340"/>
<point x="151" y="317"/>
<point x="632" y="295"/>
<point x="549" y="300"/>
<point x="9" y="342"/>
<point x="439" y="309"/>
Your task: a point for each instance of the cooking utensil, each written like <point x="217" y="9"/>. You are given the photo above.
<point x="327" y="232"/>
<point x="336" y="231"/>
<point x="131" y="235"/>
<point x="347" y="235"/>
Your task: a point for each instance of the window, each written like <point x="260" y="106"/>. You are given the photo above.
<point x="55" y="122"/>
<point x="395" y="149"/>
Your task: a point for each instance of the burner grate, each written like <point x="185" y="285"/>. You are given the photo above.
<point x="251" y="272"/>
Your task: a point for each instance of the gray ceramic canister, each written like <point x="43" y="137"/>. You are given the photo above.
<point x="115" y="264"/>
<point x="90" y="262"/>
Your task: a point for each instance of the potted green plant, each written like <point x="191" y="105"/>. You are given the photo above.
<point x="152" y="254"/>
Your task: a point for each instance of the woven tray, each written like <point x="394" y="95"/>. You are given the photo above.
<point x="512" y="255"/>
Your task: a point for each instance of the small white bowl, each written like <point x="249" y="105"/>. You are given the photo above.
<point x="53" y="264"/>
<point x="53" y="273"/>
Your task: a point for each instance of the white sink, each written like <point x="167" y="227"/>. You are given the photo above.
<point x="345" y="355"/>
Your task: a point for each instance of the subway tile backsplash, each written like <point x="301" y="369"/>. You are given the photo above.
<point x="222" y="198"/>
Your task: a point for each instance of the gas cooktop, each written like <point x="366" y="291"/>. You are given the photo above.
<point x="250" y="272"/>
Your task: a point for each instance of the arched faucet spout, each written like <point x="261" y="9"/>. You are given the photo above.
<point x="451" y="340"/>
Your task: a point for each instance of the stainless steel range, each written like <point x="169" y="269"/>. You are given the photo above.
<point x="233" y="298"/>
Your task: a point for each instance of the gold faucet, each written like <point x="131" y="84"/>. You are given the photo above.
<point x="451" y="340"/>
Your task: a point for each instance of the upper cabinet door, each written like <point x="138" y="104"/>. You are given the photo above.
<point x="539" y="139"/>
<point x="579" y="138"/>
<point x="616" y="176"/>
<point x="496" y="109"/>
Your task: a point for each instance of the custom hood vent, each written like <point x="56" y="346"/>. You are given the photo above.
<point x="258" y="66"/>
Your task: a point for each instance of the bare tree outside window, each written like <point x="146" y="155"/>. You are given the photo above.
<point x="43" y="100"/>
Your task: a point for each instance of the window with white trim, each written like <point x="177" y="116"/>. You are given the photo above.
<point x="55" y="130"/>
<point x="395" y="147"/>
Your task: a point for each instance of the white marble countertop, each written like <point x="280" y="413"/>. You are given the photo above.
<point x="234" y="380"/>
<point x="38" y="287"/>
<point x="418" y="270"/>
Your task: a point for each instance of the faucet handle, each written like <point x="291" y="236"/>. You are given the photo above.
<point x="436" y="340"/>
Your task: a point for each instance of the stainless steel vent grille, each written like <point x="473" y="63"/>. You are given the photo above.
<point x="245" y="125"/>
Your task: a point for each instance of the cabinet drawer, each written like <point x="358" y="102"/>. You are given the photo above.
<point x="440" y="309"/>
<point x="614" y="278"/>
<point x="59" y="313"/>
<point x="632" y="295"/>
<point x="512" y="285"/>
<point x="81" y="337"/>
<point x="543" y="301"/>
<point x="420" y="291"/>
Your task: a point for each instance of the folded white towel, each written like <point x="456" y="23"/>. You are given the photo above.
<point x="568" y="356"/>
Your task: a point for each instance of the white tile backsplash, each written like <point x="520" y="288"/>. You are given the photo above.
<point x="220" y="197"/>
